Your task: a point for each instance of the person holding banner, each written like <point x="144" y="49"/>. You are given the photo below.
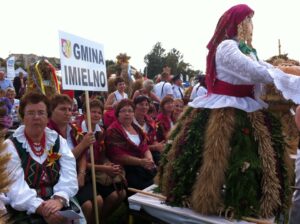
<point x="61" y="112"/>
<point x="108" y="187"/>
<point x="42" y="166"/>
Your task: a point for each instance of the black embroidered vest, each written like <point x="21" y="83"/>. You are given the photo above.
<point x="40" y="177"/>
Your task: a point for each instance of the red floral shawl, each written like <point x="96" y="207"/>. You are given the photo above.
<point x="119" y="144"/>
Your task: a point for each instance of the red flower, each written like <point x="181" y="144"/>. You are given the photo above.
<point x="246" y="131"/>
<point x="52" y="157"/>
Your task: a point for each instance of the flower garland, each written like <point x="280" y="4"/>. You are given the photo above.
<point x="243" y="177"/>
<point x="186" y="166"/>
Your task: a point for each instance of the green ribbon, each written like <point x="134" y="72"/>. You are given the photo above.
<point x="247" y="49"/>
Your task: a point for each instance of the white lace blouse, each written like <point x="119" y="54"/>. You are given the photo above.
<point x="234" y="67"/>
<point x="20" y="196"/>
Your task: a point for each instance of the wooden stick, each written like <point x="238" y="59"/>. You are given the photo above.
<point x="161" y="197"/>
<point x="249" y="219"/>
<point x="88" y="112"/>
<point x="295" y="188"/>
<point x="257" y="221"/>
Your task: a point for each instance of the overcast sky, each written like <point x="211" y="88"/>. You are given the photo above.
<point x="134" y="26"/>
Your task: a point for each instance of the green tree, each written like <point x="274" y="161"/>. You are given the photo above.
<point x="155" y="60"/>
<point x="158" y="58"/>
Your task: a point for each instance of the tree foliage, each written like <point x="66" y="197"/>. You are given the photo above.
<point x="159" y="58"/>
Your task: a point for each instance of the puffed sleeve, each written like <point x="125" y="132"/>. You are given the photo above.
<point x="21" y="196"/>
<point x="230" y="60"/>
<point x="67" y="185"/>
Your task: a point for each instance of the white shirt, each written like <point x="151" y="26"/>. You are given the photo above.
<point x="20" y="196"/>
<point x="119" y="96"/>
<point x="134" y="138"/>
<point x="178" y="92"/>
<point x="145" y="127"/>
<point x="162" y="89"/>
<point x="234" y="67"/>
<point x="85" y="129"/>
<point x="198" y="91"/>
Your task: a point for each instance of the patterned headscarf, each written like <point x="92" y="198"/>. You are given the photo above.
<point x="226" y="29"/>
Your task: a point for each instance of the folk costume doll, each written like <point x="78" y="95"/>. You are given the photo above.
<point x="228" y="154"/>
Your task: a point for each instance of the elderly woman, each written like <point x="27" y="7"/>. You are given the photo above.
<point x="148" y="86"/>
<point x="61" y="112"/>
<point x="127" y="146"/>
<point x="42" y="165"/>
<point x="164" y="118"/>
<point x="147" y="124"/>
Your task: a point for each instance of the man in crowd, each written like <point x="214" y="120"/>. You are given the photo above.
<point x="178" y="91"/>
<point x="4" y="83"/>
<point x="163" y="88"/>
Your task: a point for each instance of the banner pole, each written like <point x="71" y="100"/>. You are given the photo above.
<point x="88" y="112"/>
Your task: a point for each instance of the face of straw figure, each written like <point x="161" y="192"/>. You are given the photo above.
<point x="245" y="30"/>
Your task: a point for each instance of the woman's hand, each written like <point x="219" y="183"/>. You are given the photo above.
<point x="113" y="169"/>
<point x="51" y="206"/>
<point x="147" y="163"/>
<point x="160" y="146"/>
<point x="88" y="140"/>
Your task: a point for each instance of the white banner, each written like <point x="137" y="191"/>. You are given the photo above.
<point x="82" y="63"/>
<point x="10" y="68"/>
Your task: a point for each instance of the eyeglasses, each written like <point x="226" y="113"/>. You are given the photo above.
<point x="126" y="111"/>
<point x="39" y="113"/>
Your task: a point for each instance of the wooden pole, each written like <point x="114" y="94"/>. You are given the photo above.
<point x="161" y="197"/>
<point x="88" y="112"/>
<point x="279" y="47"/>
<point x="257" y="221"/>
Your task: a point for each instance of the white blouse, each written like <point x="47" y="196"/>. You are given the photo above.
<point x="234" y="67"/>
<point x="134" y="138"/>
<point x="23" y="198"/>
<point x="119" y="96"/>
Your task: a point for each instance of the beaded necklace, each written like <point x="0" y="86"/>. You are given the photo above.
<point x="37" y="148"/>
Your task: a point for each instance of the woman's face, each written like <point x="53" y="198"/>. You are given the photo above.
<point x="121" y="86"/>
<point x="61" y="115"/>
<point x="142" y="107"/>
<point x="35" y="117"/>
<point x="126" y="115"/>
<point x="169" y="107"/>
<point x="95" y="115"/>
<point x="178" y="107"/>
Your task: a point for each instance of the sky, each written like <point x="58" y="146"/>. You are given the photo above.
<point x="135" y="26"/>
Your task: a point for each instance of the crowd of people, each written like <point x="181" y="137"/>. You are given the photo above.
<point x="233" y="143"/>
<point x="49" y="146"/>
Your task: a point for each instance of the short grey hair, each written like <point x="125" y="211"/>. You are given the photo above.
<point x="147" y="83"/>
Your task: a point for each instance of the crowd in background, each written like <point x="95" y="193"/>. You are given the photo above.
<point x="128" y="136"/>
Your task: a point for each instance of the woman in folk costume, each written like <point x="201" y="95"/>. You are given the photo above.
<point x="42" y="166"/>
<point x="227" y="146"/>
